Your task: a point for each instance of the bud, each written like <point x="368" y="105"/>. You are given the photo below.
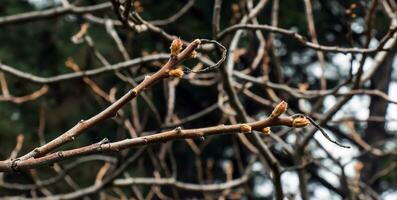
<point x="176" y="47"/>
<point x="245" y="128"/>
<point x="176" y="73"/>
<point x="303" y="87"/>
<point x="359" y="166"/>
<point x="266" y="130"/>
<point x="193" y="54"/>
<point x="197" y="41"/>
<point x="279" y="109"/>
<point x="300" y="122"/>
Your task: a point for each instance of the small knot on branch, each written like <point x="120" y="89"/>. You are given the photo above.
<point x="36" y="152"/>
<point x="60" y="154"/>
<point x="178" y="130"/>
<point x="14" y="165"/>
<point x="134" y="92"/>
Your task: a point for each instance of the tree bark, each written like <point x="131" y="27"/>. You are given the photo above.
<point x="376" y="131"/>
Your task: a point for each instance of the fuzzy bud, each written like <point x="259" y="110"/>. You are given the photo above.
<point x="266" y="130"/>
<point x="176" y="47"/>
<point x="176" y="73"/>
<point x="197" y="41"/>
<point x="300" y="122"/>
<point x="279" y="109"/>
<point x="193" y="54"/>
<point x="245" y="128"/>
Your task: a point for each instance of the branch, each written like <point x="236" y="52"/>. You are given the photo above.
<point x="105" y="147"/>
<point x="22" y="99"/>
<point x="181" y="185"/>
<point x="177" y="15"/>
<point x="111" y="111"/>
<point x="47" y="80"/>
<point x="300" y="38"/>
<point x="57" y="178"/>
<point x="53" y="12"/>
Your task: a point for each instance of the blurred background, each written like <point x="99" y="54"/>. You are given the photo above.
<point x="366" y="119"/>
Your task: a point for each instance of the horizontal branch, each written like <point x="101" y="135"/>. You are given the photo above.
<point x="217" y="187"/>
<point x="312" y="94"/>
<point x="43" y="14"/>
<point x="22" y="99"/>
<point x="112" y="110"/>
<point x="57" y="178"/>
<point x="301" y="39"/>
<point x="105" y="147"/>
<point x="93" y="72"/>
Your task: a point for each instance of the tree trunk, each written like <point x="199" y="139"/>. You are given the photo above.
<point x="376" y="131"/>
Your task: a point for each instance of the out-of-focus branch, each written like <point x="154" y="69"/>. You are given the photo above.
<point x="301" y="39"/>
<point x="88" y="73"/>
<point x="66" y="169"/>
<point x="174" y="17"/>
<point x="96" y="187"/>
<point x="181" y="185"/>
<point x="312" y="94"/>
<point x="53" y="12"/>
<point x="18" y="146"/>
<point x="22" y="99"/>
<point x="313" y="35"/>
<point x="216" y="16"/>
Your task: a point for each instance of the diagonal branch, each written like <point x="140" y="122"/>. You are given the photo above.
<point x="110" y="111"/>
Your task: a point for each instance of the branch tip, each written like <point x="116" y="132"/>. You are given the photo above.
<point x="176" y="47"/>
<point x="176" y="73"/>
<point x="300" y="122"/>
<point x="279" y="109"/>
<point x="197" y="41"/>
